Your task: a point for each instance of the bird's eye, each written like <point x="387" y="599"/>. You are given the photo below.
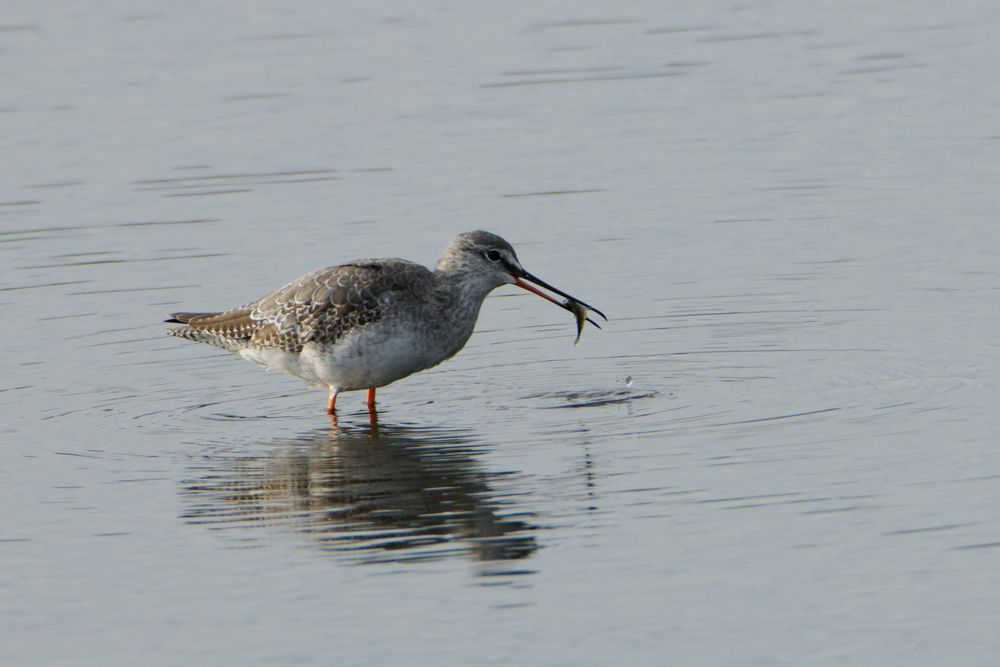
<point x="493" y="255"/>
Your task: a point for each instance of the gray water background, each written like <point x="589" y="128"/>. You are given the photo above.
<point x="788" y="211"/>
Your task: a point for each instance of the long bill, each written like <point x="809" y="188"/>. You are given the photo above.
<point x="522" y="282"/>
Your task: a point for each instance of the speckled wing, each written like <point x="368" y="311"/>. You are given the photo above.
<point x="319" y="307"/>
<point x="323" y="306"/>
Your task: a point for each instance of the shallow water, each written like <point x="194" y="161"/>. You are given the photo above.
<point x="780" y="449"/>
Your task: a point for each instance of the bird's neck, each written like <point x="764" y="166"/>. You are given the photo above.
<point x="461" y="295"/>
<point x="455" y="307"/>
<point x="464" y="287"/>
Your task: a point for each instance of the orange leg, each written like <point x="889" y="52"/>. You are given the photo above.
<point x="331" y="404"/>
<point x="372" y="413"/>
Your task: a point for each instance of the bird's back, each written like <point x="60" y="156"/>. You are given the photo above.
<point x="320" y="307"/>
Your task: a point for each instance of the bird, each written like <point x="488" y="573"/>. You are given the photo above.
<point x="369" y="322"/>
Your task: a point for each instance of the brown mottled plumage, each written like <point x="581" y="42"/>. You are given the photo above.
<point x="318" y="307"/>
<point x="369" y="322"/>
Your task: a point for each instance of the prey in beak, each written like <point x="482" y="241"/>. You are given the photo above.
<point x="572" y="304"/>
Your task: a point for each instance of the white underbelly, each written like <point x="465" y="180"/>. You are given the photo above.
<point x="372" y="357"/>
<point x="286" y="362"/>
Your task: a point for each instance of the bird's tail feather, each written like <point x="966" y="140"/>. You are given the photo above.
<point x="231" y="330"/>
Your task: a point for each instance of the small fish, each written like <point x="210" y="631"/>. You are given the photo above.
<point x="580" y="311"/>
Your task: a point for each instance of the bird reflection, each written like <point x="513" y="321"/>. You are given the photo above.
<point x="377" y="494"/>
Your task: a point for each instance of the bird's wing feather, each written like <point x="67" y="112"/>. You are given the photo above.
<point x="324" y="305"/>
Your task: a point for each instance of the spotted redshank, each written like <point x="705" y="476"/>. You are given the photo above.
<point x="370" y="322"/>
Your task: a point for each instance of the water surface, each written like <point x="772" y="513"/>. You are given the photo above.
<point x="780" y="450"/>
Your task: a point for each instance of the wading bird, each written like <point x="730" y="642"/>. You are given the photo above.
<point x="370" y="322"/>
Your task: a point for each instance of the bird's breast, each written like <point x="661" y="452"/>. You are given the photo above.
<point x="381" y="353"/>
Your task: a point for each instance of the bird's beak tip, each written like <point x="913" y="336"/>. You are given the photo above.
<point x="521" y="281"/>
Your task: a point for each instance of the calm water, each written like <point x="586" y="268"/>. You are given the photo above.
<point x="788" y="213"/>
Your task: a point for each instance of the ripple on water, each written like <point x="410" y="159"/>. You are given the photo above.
<point x="592" y="398"/>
